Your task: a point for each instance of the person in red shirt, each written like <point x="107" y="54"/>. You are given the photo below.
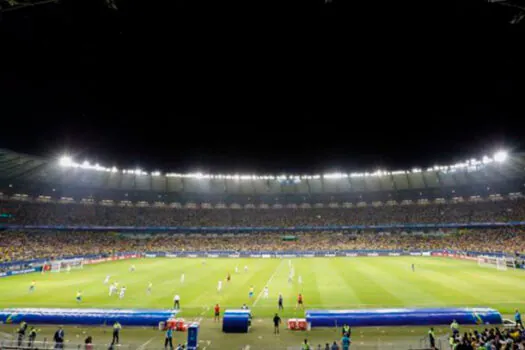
<point x="300" y="301"/>
<point x="217" y="310"/>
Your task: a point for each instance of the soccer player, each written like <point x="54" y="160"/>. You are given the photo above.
<point x="219" y="286"/>
<point x="300" y="280"/>
<point x="236" y="269"/>
<point x="229" y="277"/>
<point x="79" y="296"/>
<point x="276" y="323"/>
<point x="106" y="281"/>
<point x="132" y="268"/>
<point x="68" y="268"/>
<point x="245" y="268"/>
<point x="244" y="307"/>
<point x="280" y="302"/>
<point x="122" y="292"/>
<point x="265" y="292"/>
<point x="413" y="268"/>
<point x="290" y="277"/>
<point x="176" y="302"/>
<point x="32" y="286"/>
<point x="217" y="310"/>
<point x="112" y="289"/>
<point x="250" y="293"/>
<point x="182" y="278"/>
<point x="300" y="301"/>
<point x="150" y="285"/>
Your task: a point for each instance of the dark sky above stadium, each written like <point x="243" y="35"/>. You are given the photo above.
<point x="295" y="86"/>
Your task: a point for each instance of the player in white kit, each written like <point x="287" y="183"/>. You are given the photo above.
<point x="266" y="292"/>
<point x="236" y="269"/>
<point x="132" y="268"/>
<point x="290" y="277"/>
<point x="150" y="285"/>
<point x="182" y="278"/>
<point x="106" y="281"/>
<point x="112" y="289"/>
<point x="68" y="269"/>
<point x="122" y="291"/>
<point x="219" y="286"/>
<point x="245" y="268"/>
<point x="300" y="280"/>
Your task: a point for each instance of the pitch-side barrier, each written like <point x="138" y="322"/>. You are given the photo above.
<point x="402" y="317"/>
<point x="126" y="317"/>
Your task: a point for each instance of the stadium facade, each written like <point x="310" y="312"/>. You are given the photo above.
<point x="35" y="178"/>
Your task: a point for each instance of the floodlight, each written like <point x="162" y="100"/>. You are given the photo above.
<point x="65" y="161"/>
<point x="500" y="156"/>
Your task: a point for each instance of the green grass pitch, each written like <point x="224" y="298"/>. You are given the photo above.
<point x="329" y="283"/>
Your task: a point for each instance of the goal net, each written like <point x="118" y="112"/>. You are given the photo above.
<point x="67" y="265"/>
<point x="501" y="264"/>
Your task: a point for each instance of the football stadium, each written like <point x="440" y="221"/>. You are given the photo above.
<point x="93" y="256"/>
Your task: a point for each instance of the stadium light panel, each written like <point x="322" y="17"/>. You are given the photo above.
<point x="500" y="156"/>
<point x="65" y="161"/>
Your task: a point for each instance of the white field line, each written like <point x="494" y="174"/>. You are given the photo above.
<point x="205" y="309"/>
<point x="267" y="283"/>
<point x="143" y="346"/>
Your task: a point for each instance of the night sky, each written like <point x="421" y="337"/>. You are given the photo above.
<point x="262" y="86"/>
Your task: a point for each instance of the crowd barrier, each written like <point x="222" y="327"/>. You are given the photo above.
<point x="402" y="317"/>
<point x="126" y="317"/>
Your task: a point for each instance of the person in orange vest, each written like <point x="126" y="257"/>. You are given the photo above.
<point x="300" y="301"/>
<point x="217" y="310"/>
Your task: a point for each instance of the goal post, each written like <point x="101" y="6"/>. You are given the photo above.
<point x="500" y="263"/>
<point x="67" y="265"/>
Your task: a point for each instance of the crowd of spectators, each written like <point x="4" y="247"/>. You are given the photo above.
<point x="490" y="339"/>
<point x="27" y="245"/>
<point x="33" y="213"/>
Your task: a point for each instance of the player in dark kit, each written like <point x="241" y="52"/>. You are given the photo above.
<point x="413" y="268"/>
<point x="229" y="277"/>
<point x="281" y="308"/>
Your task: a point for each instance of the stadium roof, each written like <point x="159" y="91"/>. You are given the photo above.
<point x="23" y="173"/>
